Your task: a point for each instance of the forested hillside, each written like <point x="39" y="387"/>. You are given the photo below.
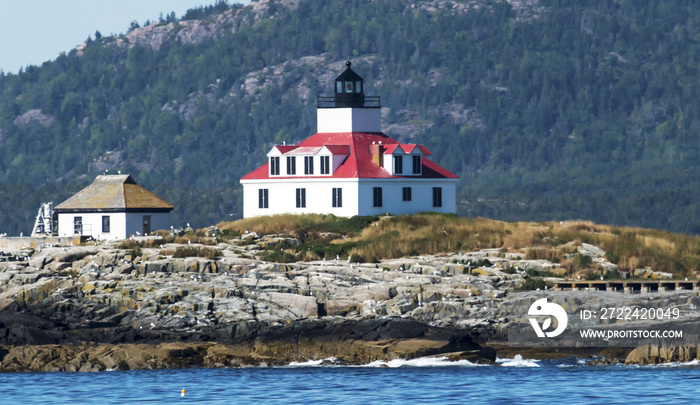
<point x="547" y="110"/>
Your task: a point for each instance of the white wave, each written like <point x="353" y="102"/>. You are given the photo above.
<point x="312" y="363"/>
<point x="579" y="362"/>
<point x="517" y="361"/>
<point x="691" y="363"/>
<point x="421" y="362"/>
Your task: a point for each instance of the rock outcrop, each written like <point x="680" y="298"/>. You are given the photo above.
<point x="92" y="308"/>
<point x="73" y="308"/>
<point x="651" y="354"/>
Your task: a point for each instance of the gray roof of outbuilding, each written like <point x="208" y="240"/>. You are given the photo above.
<point x="114" y="192"/>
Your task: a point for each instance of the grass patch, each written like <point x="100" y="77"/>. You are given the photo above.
<point x="196" y="251"/>
<point x="69" y="273"/>
<point x="300" y="226"/>
<point x="533" y="283"/>
<point x="389" y="237"/>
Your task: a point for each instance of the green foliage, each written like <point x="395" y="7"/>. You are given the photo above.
<point x="533" y="283"/>
<point x="540" y="273"/>
<point x="69" y="273"/>
<point x="196" y="251"/>
<point x="582" y="261"/>
<point x="557" y="111"/>
<point x="355" y="258"/>
<point x="279" y="256"/>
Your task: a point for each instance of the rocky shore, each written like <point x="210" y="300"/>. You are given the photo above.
<point x="93" y="308"/>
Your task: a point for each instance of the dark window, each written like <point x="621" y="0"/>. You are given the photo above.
<point x="274" y="166"/>
<point x="406" y="194"/>
<point x="325" y="165"/>
<point x="146" y="224"/>
<point x="416" y="164"/>
<point x="105" y="224"/>
<point x="263" y="198"/>
<point x="337" y="197"/>
<point x="398" y="164"/>
<point x="308" y="165"/>
<point x="291" y="165"/>
<point x="377" y="196"/>
<point x="437" y="196"/>
<point x="301" y="198"/>
<point x="78" y="225"/>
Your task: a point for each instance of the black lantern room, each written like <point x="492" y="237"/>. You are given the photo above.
<point x="348" y="89"/>
<point x="349" y="92"/>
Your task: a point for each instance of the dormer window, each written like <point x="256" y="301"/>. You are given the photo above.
<point x="308" y="165"/>
<point x="274" y="166"/>
<point x="417" y="164"/>
<point x="325" y="165"/>
<point x="291" y="165"/>
<point x="398" y="164"/>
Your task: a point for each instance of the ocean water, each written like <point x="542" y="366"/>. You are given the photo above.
<point x="421" y="381"/>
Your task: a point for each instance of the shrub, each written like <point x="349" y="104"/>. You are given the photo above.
<point x="279" y="256"/>
<point x="533" y="283"/>
<point x="196" y="251"/>
<point x="355" y="258"/>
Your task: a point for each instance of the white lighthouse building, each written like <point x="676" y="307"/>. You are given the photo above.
<point x="349" y="167"/>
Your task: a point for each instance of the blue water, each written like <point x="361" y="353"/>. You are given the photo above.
<point x="552" y="382"/>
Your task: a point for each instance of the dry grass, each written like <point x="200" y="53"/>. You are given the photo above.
<point x="411" y="235"/>
<point x="297" y="225"/>
<point x="285" y="223"/>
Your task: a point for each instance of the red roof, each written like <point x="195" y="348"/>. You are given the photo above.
<point x="359" y="163"/>
<point x="406" y="148"/>
<point x="285" y="148"/>
<point x="303" y="150"/>
<point x="338" y="149"/>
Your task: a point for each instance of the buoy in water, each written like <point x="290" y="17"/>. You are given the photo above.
<point x="182" y="393"/>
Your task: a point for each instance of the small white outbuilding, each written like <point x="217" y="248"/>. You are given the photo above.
<point x="112" y="207"/>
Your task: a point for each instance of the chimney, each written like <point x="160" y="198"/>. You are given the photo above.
<point x="377" y="152"/>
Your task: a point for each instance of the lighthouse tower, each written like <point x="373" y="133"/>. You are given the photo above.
<point x="349" y="110"/>
<point x="349" y="167"/>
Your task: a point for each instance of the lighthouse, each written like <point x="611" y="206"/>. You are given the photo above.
<point x="349" y="167"/>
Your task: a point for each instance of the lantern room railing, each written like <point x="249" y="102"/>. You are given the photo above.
<point x="330" y="102"/>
